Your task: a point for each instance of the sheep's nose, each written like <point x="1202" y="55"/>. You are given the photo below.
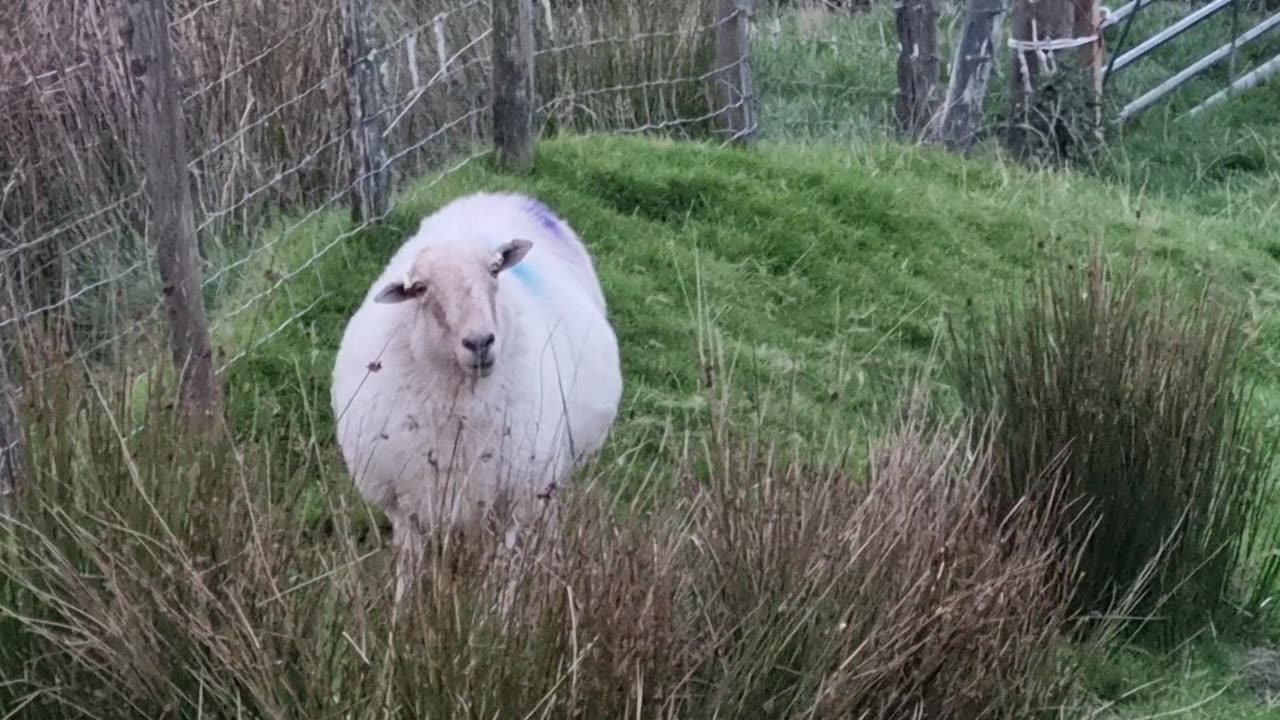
<point x="478" y="344"/>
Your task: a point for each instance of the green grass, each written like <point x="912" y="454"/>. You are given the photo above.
<point x="1202" y="682"/>
<point x="1225" y="161"/>
<point x="834" y="269"/>
<point x="830" y="268"/>
<point x="831" y="82"/>
<point x="828" y="80"/>
<point x="827" y="77"/>
<point x="796" y="251"/>
<point x="827" y="271"/>
<point x="821" y="263"/>
<point x="831" y="78"/>
<point x="823" y="272"/>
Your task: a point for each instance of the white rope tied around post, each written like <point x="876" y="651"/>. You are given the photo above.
<point x="1044" y="50"/>
<point x="1052" y="44"/>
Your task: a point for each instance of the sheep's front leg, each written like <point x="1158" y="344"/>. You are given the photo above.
<point x="407" y="542"/>
<point x="532" y="539"/>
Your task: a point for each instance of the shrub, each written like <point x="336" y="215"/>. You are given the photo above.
<point x="1147" y="401"/>
<point x="149" y="576"/>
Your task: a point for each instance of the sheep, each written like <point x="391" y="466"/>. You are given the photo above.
<point x="480" y="371"/>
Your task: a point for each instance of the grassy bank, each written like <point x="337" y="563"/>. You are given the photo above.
<point x="772" y="532"/>
<point x="824" y="278"/>
<point x="829" y="271"/>
<point x="770" y="306"/>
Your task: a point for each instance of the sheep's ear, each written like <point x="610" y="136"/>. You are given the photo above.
<point x="510" y="253"/>
<point x="400" y="291"/>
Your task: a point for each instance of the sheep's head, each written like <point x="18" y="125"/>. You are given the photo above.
<point x="456" y="287"/>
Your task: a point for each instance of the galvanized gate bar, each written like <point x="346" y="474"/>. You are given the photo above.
<point x="1124" y="12"/>
<point x="1128" y="17"/>
<point x="1251" y="79"/>
<point x="1151" y="96"/>
<point x="1169" y="33"/>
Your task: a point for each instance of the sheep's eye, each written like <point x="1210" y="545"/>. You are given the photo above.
<point x="493" y="270"/>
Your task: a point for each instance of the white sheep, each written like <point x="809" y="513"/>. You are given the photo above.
<point x="480" y="370"/>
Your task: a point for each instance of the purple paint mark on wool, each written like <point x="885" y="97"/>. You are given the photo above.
<point x="566" y="248"/>
<point x="544" y="216"/>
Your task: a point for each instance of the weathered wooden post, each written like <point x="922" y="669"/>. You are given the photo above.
<point x="171" y="219"/>
<point x="12" y="468"/>
<point x="371" y="174"/>
<point x="734" y="80"/>
<point x="513" y="83"/>
<point x="918" y="65"/>
<point x="959" y="122"/>
<point x="1046" y="95"/>
<point x="1088" y="26"/>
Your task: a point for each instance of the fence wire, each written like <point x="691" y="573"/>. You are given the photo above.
<point x="264" y="93"/>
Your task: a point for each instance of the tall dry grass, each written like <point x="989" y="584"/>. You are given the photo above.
<point x="148" y="576"/>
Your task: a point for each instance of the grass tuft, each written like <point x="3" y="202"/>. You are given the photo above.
<point x="1147" y="401"/>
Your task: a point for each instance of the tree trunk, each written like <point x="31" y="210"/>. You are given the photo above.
<point x="959" y="125"/>
<point x="918" y="65"/>
<point x="172" y="222"/>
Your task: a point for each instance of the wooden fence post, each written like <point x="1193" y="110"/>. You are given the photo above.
<point x="918" y="65"/>
<point x="1045" y="91"/>
<point x="370" y="171"/>
<point x="1088" y="23"/>
<point x="959" y="124"/>
<point x="172" y="221"/>
<point x="12" y="468"/>
<point x="513" y="83"/>
<point x="734" y="79"/>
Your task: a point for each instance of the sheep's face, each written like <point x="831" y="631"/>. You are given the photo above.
<point x="456" y="293"/>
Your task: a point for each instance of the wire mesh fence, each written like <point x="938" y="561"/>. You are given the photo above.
<point x="826" y="71"/>
<point x="267" y="123"/>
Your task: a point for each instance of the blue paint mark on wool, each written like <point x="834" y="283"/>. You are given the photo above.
<point x="545" y="217"/>
<point x="526" y="275"/>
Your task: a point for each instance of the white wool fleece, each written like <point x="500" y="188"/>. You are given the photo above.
<point x="418" y="441"/>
